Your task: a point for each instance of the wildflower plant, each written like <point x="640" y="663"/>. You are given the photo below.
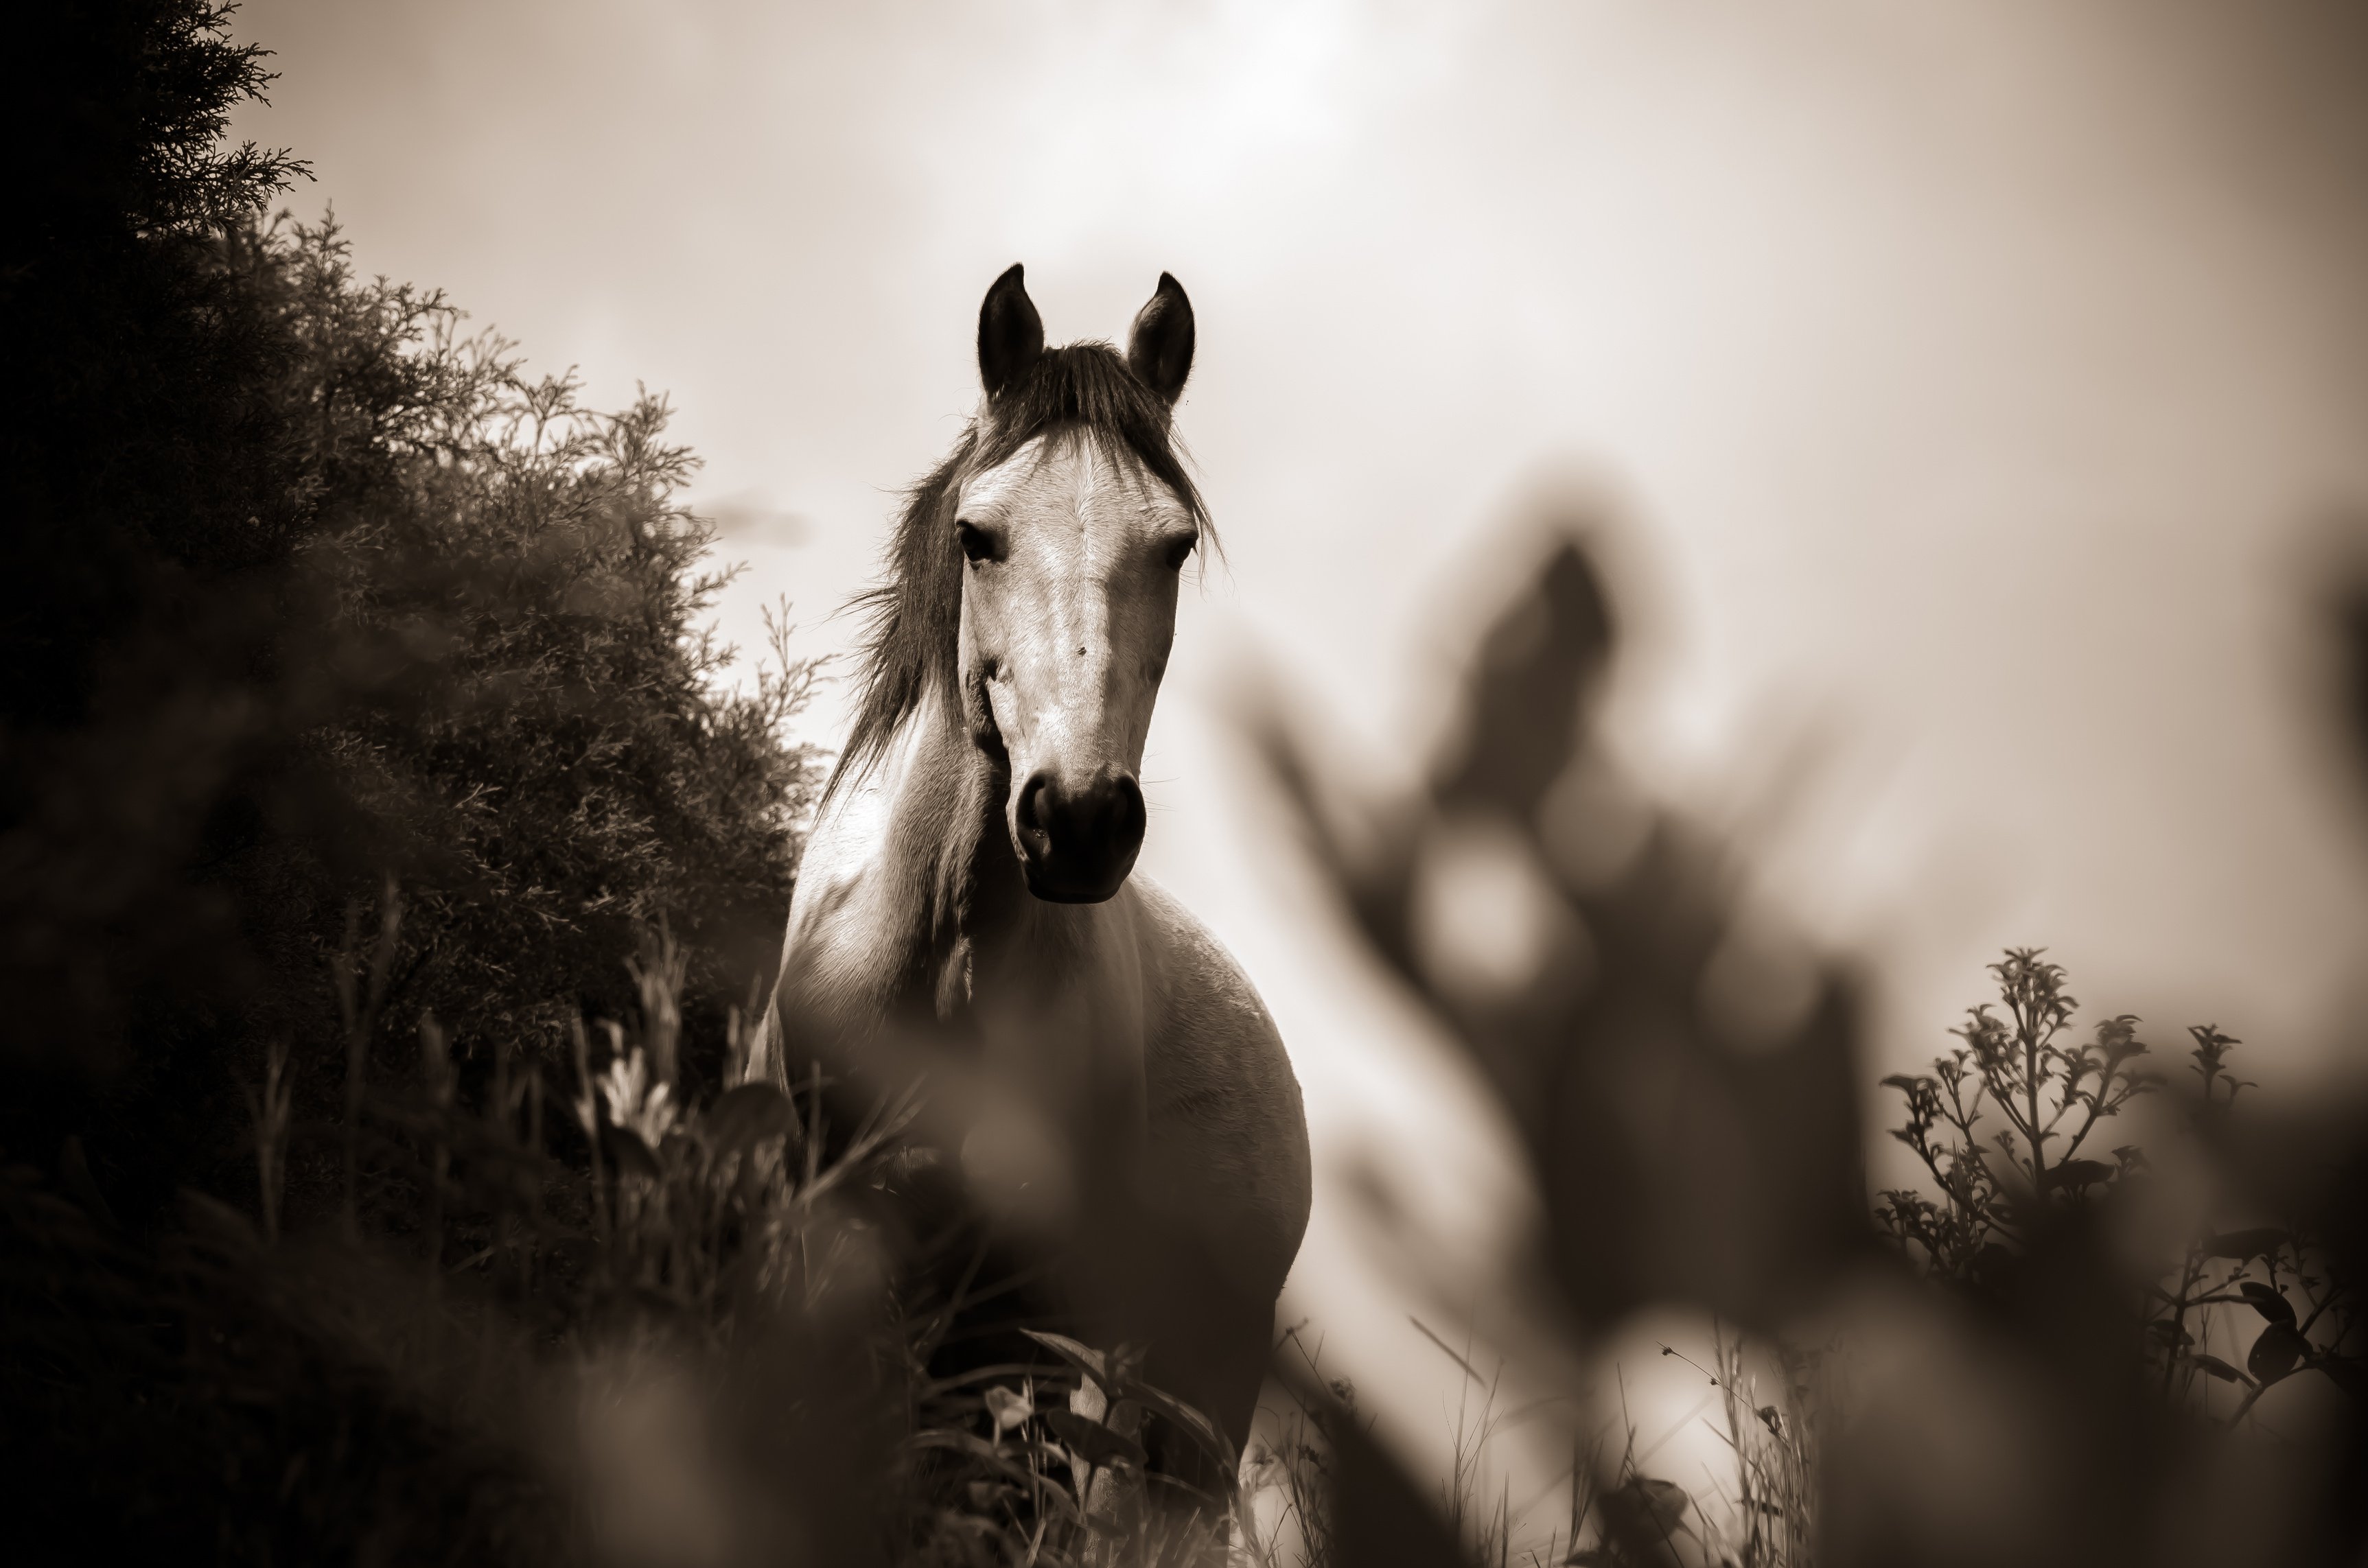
<point x="2050" y="1091"/>
<point x="1998" y="1188"/>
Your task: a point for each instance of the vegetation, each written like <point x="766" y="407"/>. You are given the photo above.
<point x="339" y="600"/>
<point x="2003" y="1194"/>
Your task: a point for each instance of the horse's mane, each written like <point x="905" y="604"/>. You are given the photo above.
<point x="916" y="609"/>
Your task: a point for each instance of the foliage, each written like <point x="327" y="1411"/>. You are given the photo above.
<point x="1993" y="1190"/>
<point x="2001" y="1194"/>
<point x="1294" y="1464"/>
<point x="544" y="749"/>
<point x="149" y="510"/>
<point x="329" y="592"/>
<point x="620" y="1314"/>
<point x="1770" y="1520"/>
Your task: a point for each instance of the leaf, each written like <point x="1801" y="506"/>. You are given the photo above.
<point x="2347" y="1373"/>
<point x="2275" y="1352"/>
<point x="2170" y="1332"/>
<point x="2259" y="1242"/>
<point x="1115" y="1382"/>
<point x="1083" y="1358"/>
<point x="1090" y="1441"/>
<point x="2219" y="1368"/>
<point x="1662" y="1505"/>
<point x="2080" y="1173"/>
<point x="749" y="1115"/>
<point x="630" y="1154"/>
<point x="972" y="1446"/>
<point x="2270" y="1303"/>
<point x="1197" y="1427"/>
<point x="1009" y="1409"/>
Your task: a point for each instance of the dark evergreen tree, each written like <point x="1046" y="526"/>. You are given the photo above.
<point x="306" y="592"/>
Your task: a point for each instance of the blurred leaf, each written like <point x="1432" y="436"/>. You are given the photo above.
<point x="2270" y="1303"/>
<point x="750" y="1115"/>
<point x="632" y="1155"/>
<point x="1662" y="1503"/>
<point x="2076" y="1175"/>
<point x="2259" y="1242"/>
<point x="2347" y="1373"/>
<point x="1641" y="1517"/>
<point x="1008" y="1408"/>
<point x="1083" y="1358"/>
<point x="1199" y="1427"/>
<point x="972" y="1446"/>
<point x="2219" y="1368"/>
<point x="1118" y="1382"/>
<point x="2275" y="1352"/>
<point x="1544" y="652"/>
<point x="1090" y="1441"/>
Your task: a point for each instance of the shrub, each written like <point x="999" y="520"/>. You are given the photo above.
<point x="542" y="745"/>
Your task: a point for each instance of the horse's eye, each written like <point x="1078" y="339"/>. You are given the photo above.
<point x="978" y="544"/>
<point x="1180" y="550"/>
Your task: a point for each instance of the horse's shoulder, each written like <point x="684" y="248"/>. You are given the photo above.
<point x="1187" y="967"/>
<point x="1213" y="1038"/>
<point x="1228" y="1129"/>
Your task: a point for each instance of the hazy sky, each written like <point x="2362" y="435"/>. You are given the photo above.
<point x="1976" y="378"/>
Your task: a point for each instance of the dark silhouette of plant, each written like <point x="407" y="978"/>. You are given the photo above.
<point x="2255" y="1273"/>
<point x="326" y="591"/>
<point x="2002" y="1193"/>
<point x="2047" y="1091"/>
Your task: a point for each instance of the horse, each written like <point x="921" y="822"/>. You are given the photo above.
<point x="968" y="880"/>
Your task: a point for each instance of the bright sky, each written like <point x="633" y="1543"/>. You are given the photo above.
<point x="1977" y="377"/>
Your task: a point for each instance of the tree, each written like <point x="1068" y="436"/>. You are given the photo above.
<point x="310" y="591"/>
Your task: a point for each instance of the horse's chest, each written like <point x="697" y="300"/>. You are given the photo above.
<point x="1068" y="1029"/>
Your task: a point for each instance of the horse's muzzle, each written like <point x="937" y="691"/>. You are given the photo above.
<point x="1078" y="844"/>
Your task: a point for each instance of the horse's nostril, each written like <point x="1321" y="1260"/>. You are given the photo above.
<point x="1034" y="797"/>
<point x="1127" y="816"/>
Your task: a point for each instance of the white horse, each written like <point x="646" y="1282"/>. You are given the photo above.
<point x="967" y="879"/>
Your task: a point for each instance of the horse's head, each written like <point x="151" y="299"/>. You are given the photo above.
<point x="1073" y="519"/>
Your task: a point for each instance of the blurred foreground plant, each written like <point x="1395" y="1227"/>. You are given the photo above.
<point x="1683" y="1070"/>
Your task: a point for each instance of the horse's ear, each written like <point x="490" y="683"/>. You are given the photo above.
<point x="1159" y="349"/>
<point x="1010" y="332"/>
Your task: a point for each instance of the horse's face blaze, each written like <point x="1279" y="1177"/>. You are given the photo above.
<point x="1071" y="559"/>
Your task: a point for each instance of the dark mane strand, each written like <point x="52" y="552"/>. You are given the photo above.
<point x="916" y="610"/>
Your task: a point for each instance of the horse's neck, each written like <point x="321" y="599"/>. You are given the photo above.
<point x="935" y="925"/>
<point x="909" y="867"/>
<point x="895" y="867"/>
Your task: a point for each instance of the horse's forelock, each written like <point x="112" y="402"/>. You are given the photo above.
<point x="915" y="613"/>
